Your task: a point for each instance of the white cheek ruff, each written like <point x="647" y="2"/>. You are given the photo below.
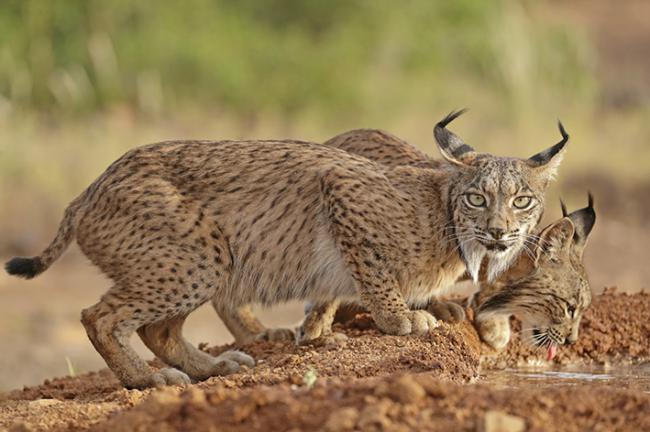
<point x="498" y="262"/>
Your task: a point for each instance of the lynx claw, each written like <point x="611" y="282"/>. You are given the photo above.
<point x="226" y="363"/>
<point x="422" y="322"/>
<point x="224" y="366"/>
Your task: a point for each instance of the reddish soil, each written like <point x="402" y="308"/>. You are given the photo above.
<point x="408" y="402"/>
<point x="370" y="382"/>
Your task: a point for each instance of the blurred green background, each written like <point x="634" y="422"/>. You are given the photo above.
<point x="82" y="81"/>
<point x="94" y="78"/>
<point x="249" y="58"/>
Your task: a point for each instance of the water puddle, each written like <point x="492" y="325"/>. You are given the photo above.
<point x="625" y="377"/>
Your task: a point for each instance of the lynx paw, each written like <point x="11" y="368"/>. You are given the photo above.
<point x="276" y="335"/>
<point x="226" y="363"/>
<point x="167" y="376"/>
<point x="413" y="322"/>
<point x="238" y="357"/>
<point x="495" y="331"/>
<point x="447" y="311"/>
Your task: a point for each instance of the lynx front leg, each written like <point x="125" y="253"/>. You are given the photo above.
<point x="369" y="225"/>
<point x="380" y="294"/>
<point x="317" y="327"/>
<point x="494" y="330"/>
<point x="245" y="327"/>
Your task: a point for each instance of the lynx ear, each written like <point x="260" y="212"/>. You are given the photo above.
<point x="583" y="220"/>
<point x="555" y="240"/>
<point x="451" y="146"/>
<point x="548" y="161"/>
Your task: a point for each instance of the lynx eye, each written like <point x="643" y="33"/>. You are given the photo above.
<point x="522" y="202"/>
<point x="475" y="200"/>
<point x="571" y="310"/>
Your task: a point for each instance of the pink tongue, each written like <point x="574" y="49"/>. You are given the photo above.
<point x="550" y="353"/>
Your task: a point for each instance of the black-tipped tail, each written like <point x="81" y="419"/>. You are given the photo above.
<point x="24" y="267"/>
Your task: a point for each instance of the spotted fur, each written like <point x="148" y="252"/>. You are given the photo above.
<point x="540" y="289"/>
<point x="547" y="287"/>
<point x="457" y="227"/>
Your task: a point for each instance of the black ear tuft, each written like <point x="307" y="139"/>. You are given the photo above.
<point x="565" y="213"/>
<point x="544" y="157"/>
<point x="499" y="301"/>
<point x="451" y="146"/>
<point x="24" y="267"/>
<point x="584" y="221"/>
<point x="451" y="117"/>
<point x="565" y="136"/>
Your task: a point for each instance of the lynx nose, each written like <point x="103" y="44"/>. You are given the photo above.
<point x="496" y="233"/>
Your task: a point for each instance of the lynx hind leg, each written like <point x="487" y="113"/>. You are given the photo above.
<point x="317" y="326"/>
<point x="109" y="326"/>
<point x="446" y="311"/>
<point x="245" y="327"/>
<point x="166" y="341"/>
<point x="494" y="331"/>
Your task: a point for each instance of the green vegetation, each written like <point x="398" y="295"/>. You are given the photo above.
<point x="310" y="377"/>
<point x="71" y="369"/>
<point x="334" y="58"/>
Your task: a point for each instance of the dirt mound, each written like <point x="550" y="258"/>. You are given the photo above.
<point x="369" y="382"/>
<point x="409" y="402"/>
<point x="450" y="353"/>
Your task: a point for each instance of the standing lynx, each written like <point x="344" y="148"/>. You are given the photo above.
<point x="395" y="156"/>
<point x="547" y="285"/>
<point x="178" y="223"/>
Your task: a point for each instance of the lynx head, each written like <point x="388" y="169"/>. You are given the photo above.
<point x="494" y="201"/>
<point x="548" y="287"/>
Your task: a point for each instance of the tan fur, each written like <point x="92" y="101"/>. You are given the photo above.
<point x="551" y="281"/>
<point x="393" y="153"/>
